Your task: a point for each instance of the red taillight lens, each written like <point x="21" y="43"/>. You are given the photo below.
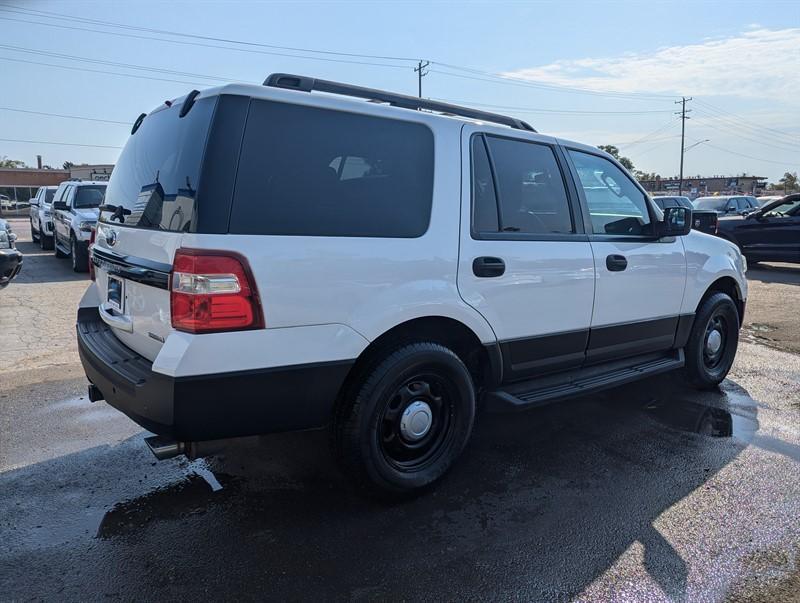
<point x="213" y="291"/>
<point x="715" y="220"/>
<point x="91" y="247"/>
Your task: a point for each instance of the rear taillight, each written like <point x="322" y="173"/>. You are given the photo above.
<point x="213" y="291"/>
<point x="715" y="223"/>
<point x="91" y="247"/>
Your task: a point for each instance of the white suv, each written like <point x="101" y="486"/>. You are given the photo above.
<point x="41" y="215"/>
<point x="290" y="256"/>
<point x="76" y="205"/>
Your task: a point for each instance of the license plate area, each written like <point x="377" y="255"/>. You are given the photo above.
<point x="116" y="294"/>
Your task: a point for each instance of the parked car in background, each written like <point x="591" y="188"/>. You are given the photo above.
<point x="41" y="216"/>
<point x="728" y="204"/>
<point x="75" y="210"/>
<point x="762" y="201"/>
<point x="769" y="234"/>
<point x="702" y="220"/>
<point x="271" y="258"/>
<point x="10" y="256"/>
<point x="6" y="203"/>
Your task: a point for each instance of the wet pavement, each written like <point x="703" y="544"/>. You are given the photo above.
<point x="652" y="491"/>
<point x="649" y="492"/>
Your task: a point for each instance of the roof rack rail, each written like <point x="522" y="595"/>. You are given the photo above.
<point x="307" y="84"/>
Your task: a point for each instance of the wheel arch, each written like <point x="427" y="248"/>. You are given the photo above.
<point x="483" y="360"/>
<point x="729" y="286"/>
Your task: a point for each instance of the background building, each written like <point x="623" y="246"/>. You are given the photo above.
<point x="91" y="172"/>
<point x="708" y="185"/>
<point x="20" y="184"/>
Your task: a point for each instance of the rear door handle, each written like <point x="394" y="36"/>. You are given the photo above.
<point x="616" y="263"/>
<point x="486" y="267"/>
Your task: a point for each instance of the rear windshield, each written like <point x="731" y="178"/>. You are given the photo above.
<point x="89" y="196"/>
<point x="154" y="182"/>
<point x="710" y="203"/>
<point x="317" y="172"/>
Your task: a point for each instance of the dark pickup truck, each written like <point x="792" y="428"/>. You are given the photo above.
<point x="704" y="221"/>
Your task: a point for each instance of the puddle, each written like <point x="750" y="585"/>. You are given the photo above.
<point x="723" y="413"/>
<point x="191" y="495"/>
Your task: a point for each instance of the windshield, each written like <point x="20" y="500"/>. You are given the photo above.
<point x="713" y="203"/>
<point x="89" y="196"/>
<point x="155" y="179"/>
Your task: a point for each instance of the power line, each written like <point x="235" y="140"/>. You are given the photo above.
<point x="724" y="150"/>
<point x="749" y="124"/>
<point x="68" y="144"/>
<point x="499" y="77"/>
<point x="133" y="75"/>
<point x="73" y="18"/>
<point x="107" y="121"/>
<point x="200" y="44"/>
<point x="684" y="117"/>
<point x="564" y="111"/>
<point x="719" y="127"/>
<point x="60" y="55"/>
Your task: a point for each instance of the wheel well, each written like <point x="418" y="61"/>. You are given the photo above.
<point x="438" y="329"/>
<point x="729" y="286"/>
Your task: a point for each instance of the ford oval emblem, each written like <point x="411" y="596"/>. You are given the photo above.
<point x="111" y="237"/>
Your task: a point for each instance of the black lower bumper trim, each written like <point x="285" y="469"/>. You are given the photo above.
<point x="207" y="407"/>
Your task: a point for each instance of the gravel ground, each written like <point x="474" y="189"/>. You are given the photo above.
<point x="650" y="492"/>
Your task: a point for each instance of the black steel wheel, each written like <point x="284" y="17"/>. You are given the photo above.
<point x="713" y="341"/>
<point x="404" y="419"/>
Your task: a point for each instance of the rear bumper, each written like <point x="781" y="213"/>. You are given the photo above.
<point x="10" y="265"/>
<point x="207" y="407"/>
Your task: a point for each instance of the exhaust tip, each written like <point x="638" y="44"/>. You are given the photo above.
<point x="164" y="448"/>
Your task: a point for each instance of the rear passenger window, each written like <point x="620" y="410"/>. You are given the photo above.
<point x="529" y="186"/>
<point x="317" y="172"/>
<point x="484" y="199"/>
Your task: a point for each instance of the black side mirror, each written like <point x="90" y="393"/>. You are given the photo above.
<point x="60" y="205"/>
<point x="677" y="222"/>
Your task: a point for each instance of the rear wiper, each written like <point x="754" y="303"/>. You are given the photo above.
<point x="119" y="212"/>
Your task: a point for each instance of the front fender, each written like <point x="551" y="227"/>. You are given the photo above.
<point x="709" y="259"/>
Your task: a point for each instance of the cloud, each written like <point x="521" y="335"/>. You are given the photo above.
<point x="758" y="63"/>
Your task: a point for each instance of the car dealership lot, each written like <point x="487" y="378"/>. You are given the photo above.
<point x="611" y="496"/>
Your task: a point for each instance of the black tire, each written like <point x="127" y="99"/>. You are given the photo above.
<point x="45" y="242"/>
<point x="57" y="251"/>
<point x="706" y="363"/>
<point x="368" y="430"/>
<point x="79" y="255"/>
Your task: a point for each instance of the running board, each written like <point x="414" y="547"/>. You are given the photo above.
<point x="541" y="391"/>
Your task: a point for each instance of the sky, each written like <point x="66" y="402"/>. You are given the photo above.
<point x="598" y="72"/>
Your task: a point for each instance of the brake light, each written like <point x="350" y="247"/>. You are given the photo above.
<point x="213" y="291"/>
<point x="715" y="220"/>
<point x="91" y="247"/>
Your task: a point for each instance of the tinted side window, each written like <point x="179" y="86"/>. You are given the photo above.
<point x="484" y="199"/>
<point x="616" y="205"/>
<point x="530" y="188"/>
<point x="318" y="172"/>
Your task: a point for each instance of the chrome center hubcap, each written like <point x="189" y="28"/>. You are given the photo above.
<point x="713" y="342"/>
<point x="416" y="421"/>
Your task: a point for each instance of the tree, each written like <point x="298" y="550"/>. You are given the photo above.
<point x="789" y="181"/>
<point x="614" y="152"/>
<point x="5" y="162"/>
<point x="68" y="164"/>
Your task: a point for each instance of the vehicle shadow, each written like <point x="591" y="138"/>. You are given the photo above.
<point x="787" y="274"/>
<point x="41" y="266"/>
<point x="540" y="505"/>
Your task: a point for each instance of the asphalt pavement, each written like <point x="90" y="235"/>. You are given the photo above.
<point x="648" y="492"/>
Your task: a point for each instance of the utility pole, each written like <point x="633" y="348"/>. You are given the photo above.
<point x="420" y="71"/>
<point x="684" y="117"/>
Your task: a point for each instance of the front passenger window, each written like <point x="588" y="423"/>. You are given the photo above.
<point x="616" y="205"/>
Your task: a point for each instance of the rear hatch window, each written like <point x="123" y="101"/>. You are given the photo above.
<point x="155" y="180"/>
